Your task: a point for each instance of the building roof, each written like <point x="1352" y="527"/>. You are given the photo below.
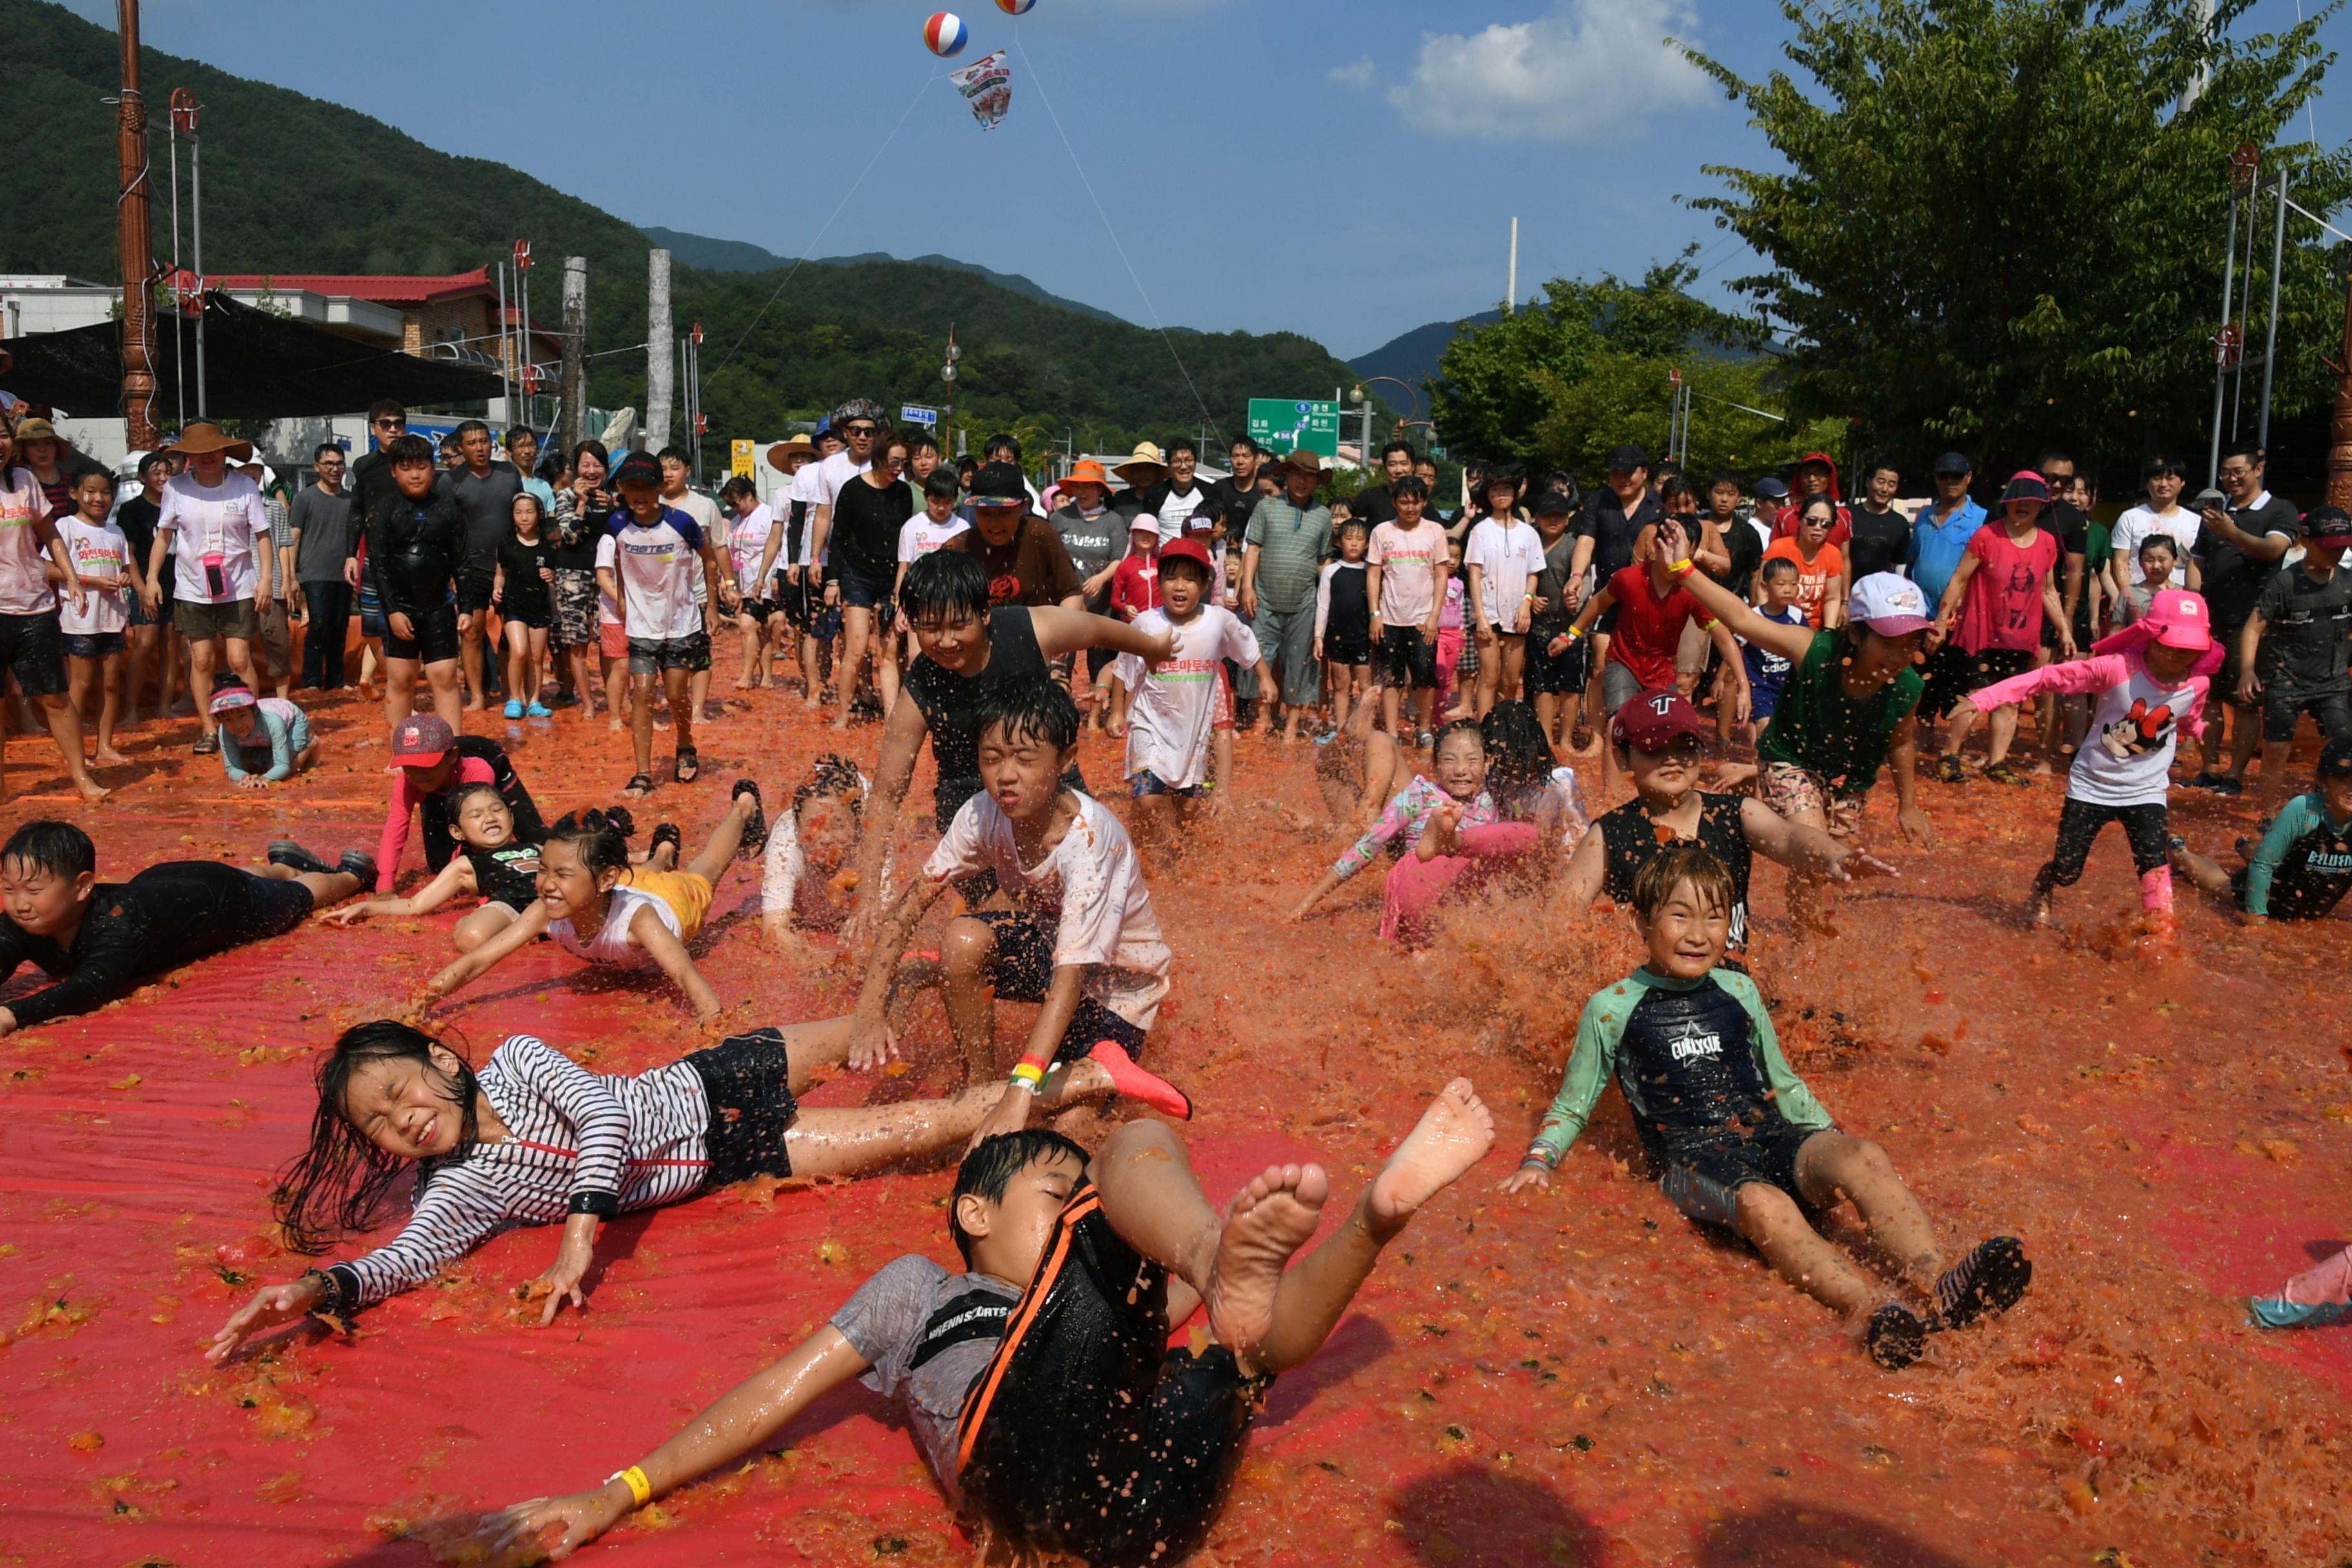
<point x="381" y="288"/>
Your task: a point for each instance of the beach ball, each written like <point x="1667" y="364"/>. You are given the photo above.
<point x="1016" y="7"/>
<point x="944" y="35"/>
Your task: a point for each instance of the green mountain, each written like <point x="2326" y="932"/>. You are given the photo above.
<point x="873" y="328"/>
<point x="740" y="255"/>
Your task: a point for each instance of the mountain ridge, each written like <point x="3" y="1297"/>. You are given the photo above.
<point x="742" y="255"/>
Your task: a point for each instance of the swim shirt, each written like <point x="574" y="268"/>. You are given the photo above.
<point x="1821" y="729"/>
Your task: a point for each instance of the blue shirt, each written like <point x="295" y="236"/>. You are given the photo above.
<point x="1937" y="547"/>
<point x="1768" y="671"/>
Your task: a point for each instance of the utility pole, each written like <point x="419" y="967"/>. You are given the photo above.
<point x="946" y="404"/>
<point x="2339" y="430"/>
<point x="2197" y="83"/>
<point x="183" y="123"/>
<point x="135" y="253"/>
<point x="575" y="351"/>
<point x="2270" y="344"/>
<point x="661" y="351"/>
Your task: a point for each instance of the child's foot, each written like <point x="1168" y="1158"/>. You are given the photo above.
<point x="1437" y="834"/>
<point x="1896" y="1337"/>
<point x="1118" y="1070"/>
<point x="665" y="832"/>
<point x="1271" y="1218"/>
<point x="755" y="826"/>
<point x="1948" y="770"/>
<point x="538" y="711"/>
<point x="513" y="709"/>
<point x="2002" y="774"/>
<point x="1989" y="1280"/>
<point x="1451" y="1136"/>
<point x="358" y="863"/>
<point x="294" y="857"/>
<point x="108" y="757"/>
<point x="2037" y="909"/>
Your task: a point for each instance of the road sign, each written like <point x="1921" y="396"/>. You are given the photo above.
<point x="1284" y="425"/>
<point x="739" y="458"/>
<point x="915" y="414"/>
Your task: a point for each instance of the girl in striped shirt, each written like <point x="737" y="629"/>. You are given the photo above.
<point x="535" y="1139"/>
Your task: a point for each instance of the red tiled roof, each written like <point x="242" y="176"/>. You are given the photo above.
<point x="384" y="288"/>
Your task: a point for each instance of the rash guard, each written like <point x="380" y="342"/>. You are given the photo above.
<point x="2303" y="864"/>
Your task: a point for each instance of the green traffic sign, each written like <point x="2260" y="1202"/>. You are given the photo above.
<point x="1284" y="425"/>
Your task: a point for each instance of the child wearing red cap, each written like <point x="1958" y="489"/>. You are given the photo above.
<point x="428" y="764"/>
<point x="2148" y="682"/>
<point x="1177" y="711"/>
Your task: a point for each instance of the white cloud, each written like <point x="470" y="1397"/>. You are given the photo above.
<point x="1586" y="71"/>
<point x="1357" y="74"/>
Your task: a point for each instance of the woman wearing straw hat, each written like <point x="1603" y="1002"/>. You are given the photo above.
<point x="32" y="644"/>
<point x="215" y="573"/>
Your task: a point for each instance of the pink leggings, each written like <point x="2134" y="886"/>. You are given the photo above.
<point x="1416" y="887"/>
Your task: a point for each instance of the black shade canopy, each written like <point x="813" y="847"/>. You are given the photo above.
<point x="257" y="365"/>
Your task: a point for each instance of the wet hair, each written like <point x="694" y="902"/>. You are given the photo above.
<point x="989" y="1170"/>
<point x="2163" y="542"/>
<point x="1674" y="866"/>
<point x="594" y="449"/>
<point x="1034" y="710"/>
<point x="1355" y="525"/>
<point x="467" y="428"/>
<point x="337" y="1186"/>
<point x="595" y="838"/>
<point x="408" y="448"/>
<point x="943" y="485"/>
<point x="737" y="485"/>
<point x="153" y="460"/>
<point x="1515" y="740"/>
<point x="456" y="806"/>
<point x="832" y="776"/>
<point x="1411" y="485"/>
<point x="1726" y="477"/>
<point x="60" y="848"/>
<point x="1676" y="486"/>
<point x="678" y="453"/>
<point x="1180" y="444"/>
<point x="1458" y="727"/>
<point x="1001" y="446"/>
<point x="104" y="476"/>
<point x="2162" y="464"/>
<point x="1779" y="566"/>
<point x="386" y="408"/>
<point x="945" y="585"/>
<point x="520" y="433"/>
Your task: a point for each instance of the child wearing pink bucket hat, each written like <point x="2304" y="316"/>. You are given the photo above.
<point x="2147" y="683"/>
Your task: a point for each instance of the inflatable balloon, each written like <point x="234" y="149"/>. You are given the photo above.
<point x="1016" y="7"/>
<point x="944" y="35"/>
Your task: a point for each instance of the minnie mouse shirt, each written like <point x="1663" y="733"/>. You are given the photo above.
<point x="2126" y="759"/>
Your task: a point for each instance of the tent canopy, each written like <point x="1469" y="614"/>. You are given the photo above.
<point x="257" y="365"/>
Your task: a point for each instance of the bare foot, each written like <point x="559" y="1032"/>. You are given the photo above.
<point x="1437" y="834"/>
<point x="1451" y="1136"/>
<point x="1271" y="1218"/>
<point x="109" y="757"/>
<point x="93" y="791"/>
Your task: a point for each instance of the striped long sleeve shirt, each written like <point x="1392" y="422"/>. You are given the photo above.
<point x="576" y="1142"/>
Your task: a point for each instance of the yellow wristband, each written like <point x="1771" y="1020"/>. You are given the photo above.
<point x="641" y="1491"/>
<point x="1571" y="634"/>
<point x="1679" y="567"/>
<point x="1028" y="1074"/>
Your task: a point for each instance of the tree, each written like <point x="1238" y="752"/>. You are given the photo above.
<point x="1558" y="384"/>
<point x="1996" y="228"/>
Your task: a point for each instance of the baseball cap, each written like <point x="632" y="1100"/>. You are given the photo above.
<point x="1952" y="463"/>
<point x="1554" y="503"/>
<point x="1191" y="550"/>
<point x="421" y="741"/>
<point x="1652" y="721"/>
<point x="2327" y="525"/>
<point x="638" y="469"/>
<point x="1889" y="605"/>
<point x="1626" y="459"/>
<point x="999" y="484"/>
<point x="2178" y="618"/>
<point x="1771" y="488"/>
<point x="1144" y="522"/>
<point x="2026" y="485"/>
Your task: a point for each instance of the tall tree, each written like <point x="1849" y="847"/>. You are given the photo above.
<point x="1996" y="225"/>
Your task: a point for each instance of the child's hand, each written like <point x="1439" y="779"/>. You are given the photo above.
<point x="1534" y="1174"/>
<point x="562" y="1280"/>
<point x="348" y="915"/>
<point x="1011" y="1115"/>
<point x="556" y="1526"/>
<point x="278" y="1304"/>
<point x="1558" y="645"/>
<point x="252" y="781"/>
<point x="1118" y="726"/>
<point x="873" y="1043"/>
<point x="1845" y="865"/>
<point x="1914" y="827"/>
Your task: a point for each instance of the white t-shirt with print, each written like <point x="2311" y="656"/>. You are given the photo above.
<point x="1406" y="559"/>
<point x="222" y="522"/>
<point x="918" y="535"/>
<point x="656" y="567"/>
<point x="25" y="586"/>
<point x="707" y="516"/>
<point x="2133" y="529"/>
<point x="747" y="542"/>
<point x="1089" y="889"/>
<point x="99" y="550"/>
<point x="1175" y="706"/>
<point x="1508" y="556"/>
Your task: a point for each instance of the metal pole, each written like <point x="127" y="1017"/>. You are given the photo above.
<point x="2270" y="345"/>
<point x="179" y="316"/>
<point x="197" y="210"/>
<point x="506" y="382"/>
<point x="2221" y="347"/>
<point x="1511" y="289"/>
<point x="2245" y="313"/>
<point x="2339" y="434"/>
<point x="572" y="414"/>
<point x="661" y="346"/>
<point x="136" y="253"/>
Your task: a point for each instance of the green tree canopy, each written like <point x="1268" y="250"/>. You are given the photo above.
<point x="1558" y="383"/>
<point x="1996" y="228"/>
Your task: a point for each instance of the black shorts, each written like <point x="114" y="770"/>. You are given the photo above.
<point x="1086" y="1436"/>
<point x="474" y="587"/>
<point x="1024" y="970"/>
<point x="34" y="648"/>
<point x="2225" y="680"/>
<point x="1705" y="1171"/>
<point x="1549" y="674"/>
<point x="799" y="604"/>
<point x="1352" y="648"/>
<point x="748" y="1082"/>
<point x="860" y="591"/>
<point x="1989" y="665"/>
<point x="94" y="645"/>
<point x="1407" y="660"/>
<point x="539" y="617"/>
<point x="2330" y="709"/>
<point x="435" y="638"/>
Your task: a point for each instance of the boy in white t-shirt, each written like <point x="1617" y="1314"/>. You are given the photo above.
<point x="97" y="646"/>
<point x="1501" y="558"/>
<point x="1081" y="939"/>
<point x="2165" y="477"/>
<point x="1177" y="712"/>
<point x="647" y="562"/>
<point x="758" y="617"/>
<point x="933" y="526"/>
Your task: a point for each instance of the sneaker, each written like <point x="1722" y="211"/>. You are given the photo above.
<point x="1897" y="1337"/>
<point x="360" y="864"/>
<point x="2176" y="843"/>
<point x="1989" y="1280"/>
<point x="2224" y="784"/>
<point x="1947" y="769"/>
<point x="1424" y="739"/>
<point x="537" y="710"/>
<point x="513" y="710"/>
<point x="2002" y="774"/>
<point x="2278" y="1312"/>
<point x="294" y="857"/>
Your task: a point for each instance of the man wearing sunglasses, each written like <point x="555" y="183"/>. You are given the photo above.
<point x="371" y="484"/>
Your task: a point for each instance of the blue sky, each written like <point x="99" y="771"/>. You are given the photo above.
<point x="1344" y="168"/>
